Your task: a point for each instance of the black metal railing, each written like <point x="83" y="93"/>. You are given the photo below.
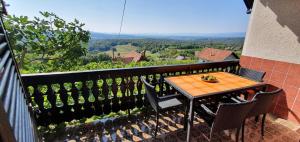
<point x="65" y="96"/>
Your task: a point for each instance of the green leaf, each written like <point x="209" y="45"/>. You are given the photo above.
<point x="58" y="41"/>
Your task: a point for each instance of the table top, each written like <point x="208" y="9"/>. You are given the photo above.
<point x="194" y="87"/>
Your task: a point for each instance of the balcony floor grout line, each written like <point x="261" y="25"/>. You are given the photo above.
<point x="297" y="96"/>
<point x="272" y="70"/>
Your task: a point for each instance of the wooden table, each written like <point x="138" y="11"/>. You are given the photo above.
<point x="194" y="88"/>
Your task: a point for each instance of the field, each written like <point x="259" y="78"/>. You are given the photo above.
<point x="164" y="49"/>
<point x="122" y="49"/>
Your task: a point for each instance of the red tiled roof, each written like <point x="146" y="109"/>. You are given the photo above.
<point x="212" y="54"/>
<point x="132" y="56"/>
<point x="126" y="60"/>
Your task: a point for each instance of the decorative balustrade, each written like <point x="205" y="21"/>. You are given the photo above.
<point x="64" y="96"/>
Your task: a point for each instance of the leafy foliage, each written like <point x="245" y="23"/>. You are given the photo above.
<point x="49" y="42"/>
<point x="95" y="58"/>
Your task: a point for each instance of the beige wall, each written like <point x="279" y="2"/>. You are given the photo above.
<point x="274" y="31"/>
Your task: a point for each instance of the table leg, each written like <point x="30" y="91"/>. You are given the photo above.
<point x="190" y="121"/>
<point x="186" y="115"/>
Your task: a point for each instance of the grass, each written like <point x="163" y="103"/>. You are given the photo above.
<point x="122" y="49"/>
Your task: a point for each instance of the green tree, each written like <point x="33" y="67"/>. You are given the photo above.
<point x="47" y="40"/>
<point x="95" y="58"/>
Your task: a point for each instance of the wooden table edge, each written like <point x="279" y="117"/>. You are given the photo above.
<point x="178" y="89"/>
<point x="259" y="84"/>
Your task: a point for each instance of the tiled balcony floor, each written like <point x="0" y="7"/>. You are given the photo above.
<point x="139" y="128"/>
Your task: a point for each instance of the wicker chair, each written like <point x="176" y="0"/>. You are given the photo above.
<point x="225" y="116"/>
<point x="160" y="104"/>
<point x="263" y="104"/>
<point x="253" y="75"/>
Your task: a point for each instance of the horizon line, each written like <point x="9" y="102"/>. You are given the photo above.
<point x="168" y="33"/>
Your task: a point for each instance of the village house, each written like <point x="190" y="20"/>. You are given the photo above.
<point x="132" y="56"/>
<point x="214" y="55"/>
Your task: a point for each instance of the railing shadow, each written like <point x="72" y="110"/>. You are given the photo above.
<point x="130" y="129"/>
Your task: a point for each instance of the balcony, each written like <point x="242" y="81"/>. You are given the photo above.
<point x="118" y="93"/>
<point x="117" y="98"/>
<point x="61" y="105"/>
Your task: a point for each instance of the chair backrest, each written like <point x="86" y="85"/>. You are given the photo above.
<point x="231" y="115"/>
<point x="150" y="94"/>
<point x="252" y="74"/>
<point x="264" y="102"/>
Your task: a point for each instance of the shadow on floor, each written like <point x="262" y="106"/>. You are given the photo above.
<point x="140" y="128"/>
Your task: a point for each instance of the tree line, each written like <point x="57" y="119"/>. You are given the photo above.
<point x="158" y="45"/>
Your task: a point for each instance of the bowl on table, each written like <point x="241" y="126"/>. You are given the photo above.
<point x="209" y="79"/>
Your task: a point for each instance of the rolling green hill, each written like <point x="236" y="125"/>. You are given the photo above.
<point x="122" y="49"/>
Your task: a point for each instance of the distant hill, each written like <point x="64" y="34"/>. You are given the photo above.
<point x="102" y="36"/>
<point x="95" y="35"/>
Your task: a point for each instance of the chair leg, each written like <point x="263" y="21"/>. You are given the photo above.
<point x="210" y="135"/>
<point x="156" y="128"/>
<point x="246" y="96"/>
<point x="237" y="135"/>
<point x="263" y="125"/>
<point x="147" y="111"/>
<point x="243" y="131"/>
<point x="192" y="118"/>
<point x="256" y="118"/>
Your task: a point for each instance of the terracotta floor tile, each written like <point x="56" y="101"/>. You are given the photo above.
<point x="141" y="130"/>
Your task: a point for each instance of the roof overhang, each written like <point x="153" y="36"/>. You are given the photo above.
<point x="249" y="5"/>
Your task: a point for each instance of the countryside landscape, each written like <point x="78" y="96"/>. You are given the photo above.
<point x="149" y="71"/>
<point x="90" y="50"/>
<point x="91" y="75"/>
<point x="49" y="43"/>
<point x="163" y="47"/>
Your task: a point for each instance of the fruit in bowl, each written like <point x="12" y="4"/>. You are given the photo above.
<point x="209" y="78"/>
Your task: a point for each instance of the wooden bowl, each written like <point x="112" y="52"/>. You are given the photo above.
<point x="210" y="81"/>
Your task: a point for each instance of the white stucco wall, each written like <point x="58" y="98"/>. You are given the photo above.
<point x="274" y="31"/>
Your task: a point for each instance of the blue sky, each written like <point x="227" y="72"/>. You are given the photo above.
<point x="144" y="16"/>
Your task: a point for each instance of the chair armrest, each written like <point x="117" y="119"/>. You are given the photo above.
<point x="237" y="100"/>
<point x="240" y="99"/>
<point x="168" y="97"/>
<point x="207" y="110"/>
